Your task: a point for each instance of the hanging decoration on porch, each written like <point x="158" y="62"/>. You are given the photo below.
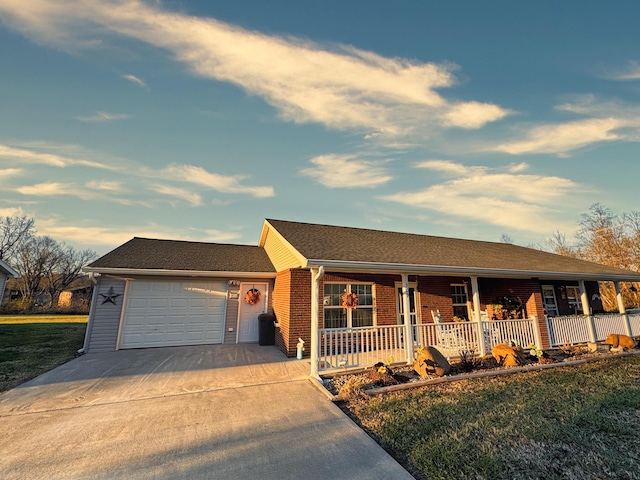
<point x="253" y="296"/>
<point x="349" y="300"/>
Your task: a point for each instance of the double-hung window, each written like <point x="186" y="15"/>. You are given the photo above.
<point x="459" y="300"/>
<point x="337" y="316"/>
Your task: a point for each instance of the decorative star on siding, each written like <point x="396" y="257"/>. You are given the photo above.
<point x="110" y="296"/>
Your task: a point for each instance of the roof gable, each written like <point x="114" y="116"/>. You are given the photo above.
<point x="7" y="270"/>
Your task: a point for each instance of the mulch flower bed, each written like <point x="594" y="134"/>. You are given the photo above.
<point x="383" y="377"/>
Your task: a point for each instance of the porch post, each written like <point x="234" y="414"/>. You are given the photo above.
<point x="406" y="319"/>
<point x="622" y="309"/>
<point x="477" y="316"/>
<point x="586" y="309"/>
<point x="316" y="275"/>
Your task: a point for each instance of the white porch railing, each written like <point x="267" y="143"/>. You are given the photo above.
<point x="576" y="328"/>
<point x="360" y="347"/>
<point x="350" y="348"/>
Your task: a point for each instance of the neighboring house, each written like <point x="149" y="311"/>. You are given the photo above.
<point x="78" y="294"/>
<point x="162" y="292"/>
<point x="6" y="272"/>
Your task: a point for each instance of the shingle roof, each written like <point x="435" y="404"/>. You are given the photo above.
<point x="347" y="244"/>
<point x="146" y="253"/>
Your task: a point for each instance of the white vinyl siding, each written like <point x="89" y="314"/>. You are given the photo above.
<point x="106" y="316"/>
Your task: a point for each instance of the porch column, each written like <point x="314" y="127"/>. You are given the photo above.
<point x="477" y="316"/>
<point x="586" y="309"/>
<point x="406" y="319"/>
<point x="316" y="275"/>
<point x="622" y="309"/>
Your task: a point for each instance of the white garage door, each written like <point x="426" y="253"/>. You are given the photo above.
<point x="161" y="314"/>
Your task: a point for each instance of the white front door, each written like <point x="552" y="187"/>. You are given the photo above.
<point x="248" y="313"/>
<point x="549" y="300"/>
<point x="413" y="301"/>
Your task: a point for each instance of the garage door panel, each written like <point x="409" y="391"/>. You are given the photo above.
<point x="173" y="313"/>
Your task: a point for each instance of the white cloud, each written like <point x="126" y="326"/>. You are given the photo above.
<point x="346" y="171"/>
<point x="509" y="200"/>
<point x="12" y="212"/>
<point x="341" y="87"/>
<point x="215" y="181"/>
<point x="631" y="72"/>
<point x="34" y="157"/>
<point x="193" y="198"/>
<point x="564" y="137"/>
<point x="9" y="172"/>
<point x="105" y="185"/>
<point x="104" y="117"/>
<point x="48" y="189"/>
<point x="606" y="121"/>
<point x="133" y="79"/>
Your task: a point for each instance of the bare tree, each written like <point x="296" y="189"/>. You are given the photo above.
<point x="34" y="259"/>
<point x="67" y="269"/>
<point x="608" y="239"/>
<point x="13" y="230"/>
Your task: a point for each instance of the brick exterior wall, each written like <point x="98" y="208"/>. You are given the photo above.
<point x="434" y="293"/>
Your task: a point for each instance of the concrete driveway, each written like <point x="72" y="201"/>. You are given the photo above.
<point x="237" y="412"/>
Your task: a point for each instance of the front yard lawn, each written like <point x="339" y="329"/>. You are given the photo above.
<point x="32" y="345"/>
<point x="580" y="422"/>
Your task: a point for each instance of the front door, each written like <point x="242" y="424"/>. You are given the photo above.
<point x="413" y="314"/>
<point x="248" y="311"/>
<point x="549" y="300"/>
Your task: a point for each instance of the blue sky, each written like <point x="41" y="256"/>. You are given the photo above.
<point x="197" y="120"/>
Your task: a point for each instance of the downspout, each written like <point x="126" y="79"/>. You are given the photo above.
<point x="316" y="275"/>
<point x="622" y="309"/>
<point x="408" y="334"/>
<point x="94" y="300"/>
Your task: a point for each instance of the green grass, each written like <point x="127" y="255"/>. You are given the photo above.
<point x="579" y="422"/>
<point x="32" y="345"/>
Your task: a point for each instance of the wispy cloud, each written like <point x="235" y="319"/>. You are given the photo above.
<point x="104" y="117"/>
<point x="193" y="198"/>
<point x="105" y="185"/>
<point x="347" y="171"/>
<point x="630" y="72"/>
<point x="109" y="237"/>
<point x="9" y="172"/>
<point x="133" y="79"/>
<point x="501" y="198"/>
<point x="44" y="158"/>
<point x="606" y="121"/>
<point x="214" y="181"/>
<point x="48" y="189"/>
<point x="12" y="212"/>
<point x="340" y="86"/>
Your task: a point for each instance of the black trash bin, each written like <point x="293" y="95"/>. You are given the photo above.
<point x="266" y="329"/>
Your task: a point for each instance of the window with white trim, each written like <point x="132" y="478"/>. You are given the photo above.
<point x="459" y="300"/>
<point x="574" y="298"/>
<point x="337" y="316"/>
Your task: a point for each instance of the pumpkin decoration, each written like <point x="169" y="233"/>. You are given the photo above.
<point x="349" y="300"/>
<point x="252" y="297"/>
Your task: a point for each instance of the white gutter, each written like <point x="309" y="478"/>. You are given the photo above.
<point x="338" y="265"/>
<point x="181" y="273"/>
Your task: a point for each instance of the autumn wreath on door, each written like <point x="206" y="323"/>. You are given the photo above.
<point x="253" y="296"/>
<point x="349" y="300"/>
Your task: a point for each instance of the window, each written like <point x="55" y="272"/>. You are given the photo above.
<point x="459" y="301"/>
<point x="336" y="316"/>
<point x="574" y="299"/>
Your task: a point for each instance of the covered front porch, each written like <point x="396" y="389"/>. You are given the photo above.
<point x="476" y="329"/>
